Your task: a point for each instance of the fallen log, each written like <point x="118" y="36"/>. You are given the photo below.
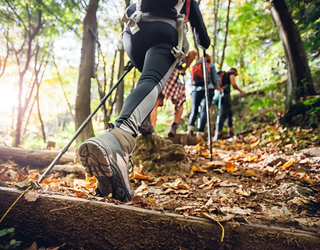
<point x="33" y="157"/>
<point x="88" y="224"/>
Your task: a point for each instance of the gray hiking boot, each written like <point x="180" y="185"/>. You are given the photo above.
<point x="106" y="157"/>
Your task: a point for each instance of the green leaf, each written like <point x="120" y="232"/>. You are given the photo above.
<point x="10" y="230"/>
<point x="3" y="232"/>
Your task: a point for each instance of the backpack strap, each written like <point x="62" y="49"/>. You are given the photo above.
<point x="186" y="17"/>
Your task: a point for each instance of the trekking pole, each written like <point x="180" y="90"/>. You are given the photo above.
<point x="240" y="100"/>
<point x="127" y="69"/>
<point x="218" y="118"/>
<point x="205" y="74"/>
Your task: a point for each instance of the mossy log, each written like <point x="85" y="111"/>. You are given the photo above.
<point x="86" y="224"/>
<point x="33" y="157"/>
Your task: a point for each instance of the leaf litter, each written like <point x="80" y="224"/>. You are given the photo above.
<point x="263" y="178"/>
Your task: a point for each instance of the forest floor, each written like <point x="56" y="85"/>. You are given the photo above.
<point x="270" y="176"/>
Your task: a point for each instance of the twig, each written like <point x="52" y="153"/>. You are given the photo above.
<point x="14" y="203"/>
<point x="210" y="217"/>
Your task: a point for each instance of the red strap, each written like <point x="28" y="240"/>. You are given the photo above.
<point x="186" y="17"/>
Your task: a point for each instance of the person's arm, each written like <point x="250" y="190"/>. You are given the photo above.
<point x="191" y="56"/>
<point x="233" y="83"/>
<point x="198" y="26"/>
<point x="215" y="78"/>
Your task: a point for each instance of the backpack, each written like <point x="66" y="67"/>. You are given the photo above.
<point x="221" y="75"/>
<point x="161" y="7"/>
<point x="197" y="78"/>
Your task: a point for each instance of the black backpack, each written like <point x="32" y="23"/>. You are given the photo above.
<point x="158" y="7"/>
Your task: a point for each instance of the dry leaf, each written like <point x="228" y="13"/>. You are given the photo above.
<point x="288" y="164"/>
<point x="229" y="167"/>
<point x="169" y="190"/>
<point x="250" y="172"/>
<point x="31" y="196"/>
<point x="150" y="200"/>
<point x="214" y="164"/>
<point x="176" y="185"/>
<point x="209" y="183"/>
<point x="198" y="169"/>
<point x="140" y="174"/>
<point x="142" y="187"/>
<point x="252" y="145"/>
<point x="243" y="192"/>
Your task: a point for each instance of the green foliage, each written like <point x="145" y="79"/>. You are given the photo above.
<point x="8" y="233"/>
<point x="306" y="15"/>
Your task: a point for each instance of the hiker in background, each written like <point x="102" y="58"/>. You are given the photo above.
<point x="229" y="78"/>
<point x="176" y="91"/>
<point x="153" y="41"/>
<point x="198" y="95"/>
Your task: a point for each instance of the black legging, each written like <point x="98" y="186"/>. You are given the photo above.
<point x="150" y="52"/>
<point x="226" y="112"/>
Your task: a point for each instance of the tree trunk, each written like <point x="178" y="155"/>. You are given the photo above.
<point x="225" y="37"/>
<point x="215" y="30"/>
<point x="86" y="71"/>
<point x="111" y="101"/>
<point x="39" y="115"/>
<point x="299" y="77"/>
<point x="102" y="87"/>
<point x="120" y="89"/>
<point x="64" y="92"/>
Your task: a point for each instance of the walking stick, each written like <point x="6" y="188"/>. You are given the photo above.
<point x="240" y="99"/>
<point x="218" y="117"/>
<point x="127" y="69"/>
<point x="205" y="74"/>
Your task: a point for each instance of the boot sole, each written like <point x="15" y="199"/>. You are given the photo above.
<point x="97" y="161"/>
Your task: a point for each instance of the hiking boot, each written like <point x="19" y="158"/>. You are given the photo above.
<point x="220" y="136"/>
<point x="230" y="133"/>
<point x="146" y="127"/>
<point x="200" y="136"/>
<point x="106" y="157"/>
<point x="173" y="130"/>
<point x="190" y="131"/>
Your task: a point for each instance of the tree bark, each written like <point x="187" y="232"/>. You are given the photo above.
<point x="86" y="71"/>
<point x="120" y="90"/>
<point x="111" y="102"/>
<point x="33" y="157"/>
<point x="299" y="77"/>
<point x="225" y="37"/>
<point x="215" y="30"/>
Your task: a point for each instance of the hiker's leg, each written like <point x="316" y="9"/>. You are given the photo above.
<point x="177" y="114"/>
<point x="203" y="113"/>
<point x="197" y="97"/>
<point x="223" y="114"/>
<point x="107" y="155"/>
<point x="156" y="63"/>
<point x="154" y="112"/>
<point x="229" y="122"/>
<point x="176" y="119"/>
